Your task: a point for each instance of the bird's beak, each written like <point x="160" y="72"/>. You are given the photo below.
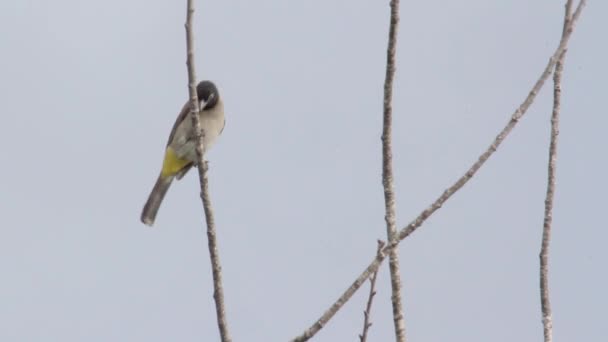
<point x="202" y="103"/>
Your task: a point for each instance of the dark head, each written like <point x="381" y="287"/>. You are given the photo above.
<point x="207" y="92"/>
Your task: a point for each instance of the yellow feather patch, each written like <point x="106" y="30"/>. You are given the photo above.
<point x="172" y="164"/>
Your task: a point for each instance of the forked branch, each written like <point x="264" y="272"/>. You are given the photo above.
<point x="438" y="203"/>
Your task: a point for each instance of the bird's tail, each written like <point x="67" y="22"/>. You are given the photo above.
<point x="148" y="214"/>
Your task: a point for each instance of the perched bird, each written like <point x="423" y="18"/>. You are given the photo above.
<point x="180" y="153"/>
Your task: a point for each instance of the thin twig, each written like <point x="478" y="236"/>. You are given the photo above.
<point x="218" y="291"/>
<point x="327" y="315"/>
<point x="387" y="173"/>
<point x="425" y="214"/>
<point x="544" y="250"/>
<point x="370" y="299"/>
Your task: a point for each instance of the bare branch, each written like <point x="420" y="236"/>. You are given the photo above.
<point x="544" y="251"/>
<point x="518" y="114"/>
<point x="372" y="292"/>
<point x="387" y="173"/>
<point x="425" y="214"/>
<point x="218" y="291"/>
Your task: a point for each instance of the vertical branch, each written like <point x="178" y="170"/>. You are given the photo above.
<point x="218" y="291"/>
<point x="544" y="250"/>
<point x="387" y="174"/>
<point x="370" y="299"/>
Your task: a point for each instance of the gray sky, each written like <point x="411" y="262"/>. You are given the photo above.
<point x="89" y="91"/>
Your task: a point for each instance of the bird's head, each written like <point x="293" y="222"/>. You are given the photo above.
<point x="207" y="94"/>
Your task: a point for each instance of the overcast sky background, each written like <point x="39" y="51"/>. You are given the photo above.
<point x="89" y="91"/>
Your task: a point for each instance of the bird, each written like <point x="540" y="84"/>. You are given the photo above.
<point x="180" y="152"/>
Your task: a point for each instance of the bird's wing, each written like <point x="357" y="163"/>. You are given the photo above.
<point x="183" y="114"/>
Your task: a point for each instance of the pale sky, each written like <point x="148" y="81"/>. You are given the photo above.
<point x="89" y="91"/>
